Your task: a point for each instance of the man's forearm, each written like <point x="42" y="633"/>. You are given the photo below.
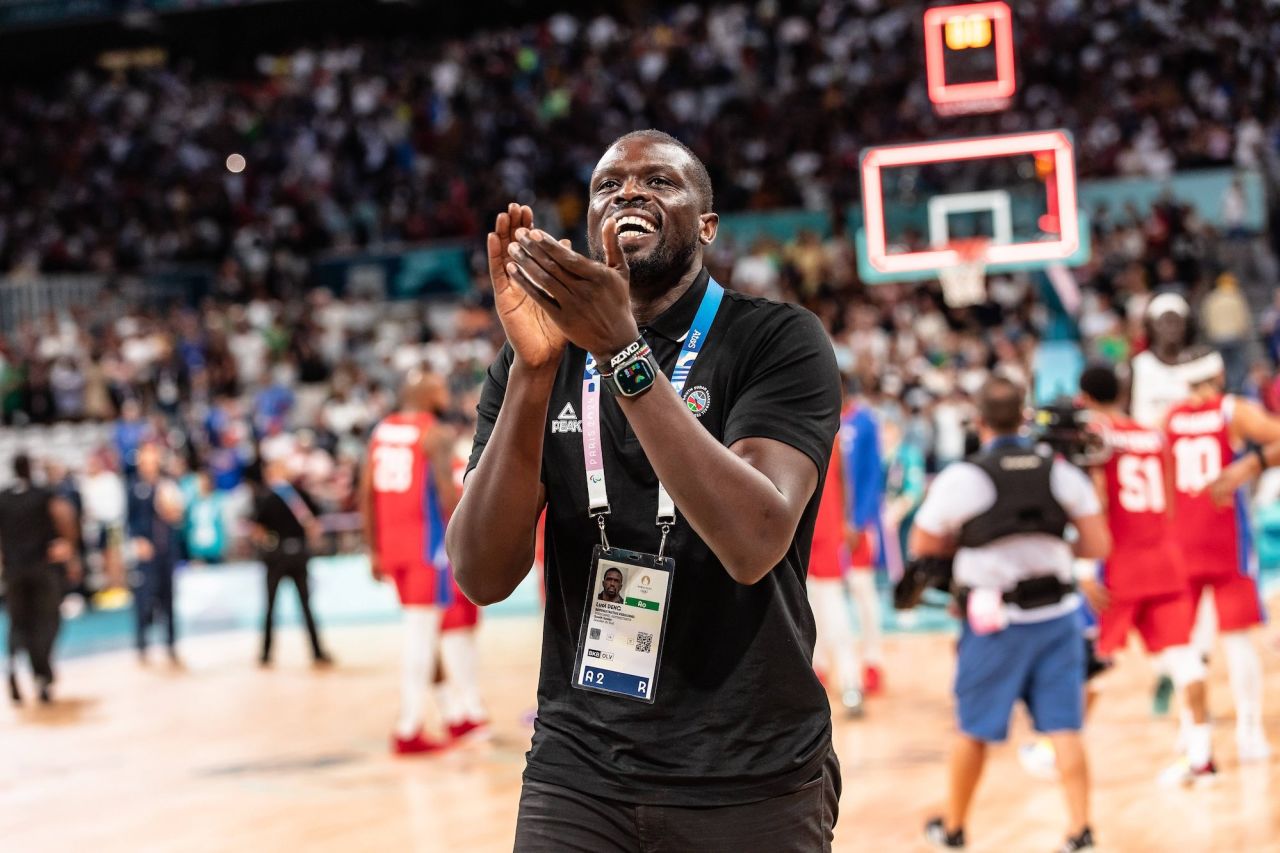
<point x="491" y="536"/>
<point x="733" y="507"/>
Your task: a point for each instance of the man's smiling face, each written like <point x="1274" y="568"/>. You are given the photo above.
<point x="649" y="187"/>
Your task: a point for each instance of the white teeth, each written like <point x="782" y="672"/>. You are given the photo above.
<point x="643" y="224"/>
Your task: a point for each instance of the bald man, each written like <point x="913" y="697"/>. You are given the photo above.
<point x="407" y="492"/>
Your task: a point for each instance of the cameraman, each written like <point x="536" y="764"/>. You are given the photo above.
<point x="1004" y="513"/>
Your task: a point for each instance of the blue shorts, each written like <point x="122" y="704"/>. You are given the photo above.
<point x="1041" y="663"/>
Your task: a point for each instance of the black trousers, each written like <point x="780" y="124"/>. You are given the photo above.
<point x="34" y="619"/>
<point x="555" y="820"/>
<point x="153" y="600"/>
<point x="294" y="567"/>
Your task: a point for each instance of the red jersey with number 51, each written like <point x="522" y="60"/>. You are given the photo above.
<point x="1207" y="535"/>
<point x="404" y="509"/>
<point x="1143" y="562"/>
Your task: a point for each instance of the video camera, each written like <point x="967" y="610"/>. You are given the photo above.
<point x="919" y="575"/>
<point x="1072" y="433"/>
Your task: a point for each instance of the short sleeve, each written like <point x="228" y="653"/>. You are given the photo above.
<point x="491" y="397"/>
<point x="1073" y="489"/>
<point x="960" y="492"/>
<point x="792" y="391"/>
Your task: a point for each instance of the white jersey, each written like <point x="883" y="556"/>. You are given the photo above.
<point x="1155" y="387"/>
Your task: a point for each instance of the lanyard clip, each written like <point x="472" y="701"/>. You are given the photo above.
<point x="604" y="539"/>
<point x="666" y="528"/>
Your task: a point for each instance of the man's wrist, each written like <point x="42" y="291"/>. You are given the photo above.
<point x="543" y="377"/>
<point x="606" y="355"/>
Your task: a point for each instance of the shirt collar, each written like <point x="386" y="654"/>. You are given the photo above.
<point x="1001" y="441"/>
<point x="674" y="323"/>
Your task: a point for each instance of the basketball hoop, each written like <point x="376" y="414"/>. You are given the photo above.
<point x="965" y="282"/>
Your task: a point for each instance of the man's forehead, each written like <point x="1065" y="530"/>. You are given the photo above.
<point x="641" y="152"/>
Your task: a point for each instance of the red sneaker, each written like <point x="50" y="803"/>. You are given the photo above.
<point x="872" y="680"/>
<point x="415" y="745"/>
<point x="466" y="727"/>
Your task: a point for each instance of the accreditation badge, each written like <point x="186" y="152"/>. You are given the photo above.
<point x="625" y="619"/>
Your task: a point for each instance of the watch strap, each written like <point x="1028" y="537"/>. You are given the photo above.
<point x="642" y="353"/>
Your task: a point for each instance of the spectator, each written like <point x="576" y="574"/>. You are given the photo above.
<point x="206" y="523"/>
<point x="1224" y="316"/>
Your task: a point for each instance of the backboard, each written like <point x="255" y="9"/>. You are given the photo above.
<point x="1017" y="190"/>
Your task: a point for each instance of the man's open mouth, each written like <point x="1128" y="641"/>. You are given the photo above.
<point x="631" y="228"/>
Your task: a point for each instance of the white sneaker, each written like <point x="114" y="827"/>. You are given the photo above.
<point x="1181" y="774"/>
<point x="1039" y="759"/>
<point x="1252" y="747"/>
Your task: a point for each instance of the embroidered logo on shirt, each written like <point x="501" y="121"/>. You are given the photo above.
<point x="698" y="399"/>
<point x="567" y="420"/>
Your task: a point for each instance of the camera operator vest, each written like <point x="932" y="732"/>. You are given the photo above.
<point x="1024" y="500"/>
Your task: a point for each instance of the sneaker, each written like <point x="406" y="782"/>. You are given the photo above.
<point x="1162" y="697"/>
<point x="1078" y="843"/>
<point x="936" y="834"/>
<point x="1181" y="774"/>
<point x="466" y="727"/>
<point x="1039" y="760"/>
<point x="15" y="695"/>
<point x="415" y="745"/>
<point x="872" y="680"/>
<point x="852" y="701"/>
<point x="44" y="686"/>
<point x="1253" y="747"/>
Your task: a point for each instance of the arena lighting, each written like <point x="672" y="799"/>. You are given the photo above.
<point x="1055" y="142"/>
<point x="969" y="27"/>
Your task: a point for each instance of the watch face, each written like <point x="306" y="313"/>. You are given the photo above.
<point x="635" y="377"/>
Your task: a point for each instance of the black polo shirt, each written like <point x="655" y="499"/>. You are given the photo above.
<point x="740" y="715"/>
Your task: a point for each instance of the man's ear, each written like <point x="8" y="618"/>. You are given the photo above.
<point x="708" y="227"/>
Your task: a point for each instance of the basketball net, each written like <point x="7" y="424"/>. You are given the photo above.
<point x="965" y="282"/>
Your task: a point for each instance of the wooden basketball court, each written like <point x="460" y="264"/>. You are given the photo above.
<point x="225" y="756"/>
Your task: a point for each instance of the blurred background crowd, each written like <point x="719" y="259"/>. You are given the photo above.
<point x="400" y="142"/>
<point x="382" y="141"/>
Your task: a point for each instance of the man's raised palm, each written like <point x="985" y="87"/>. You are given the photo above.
<point x="533" y="336"/>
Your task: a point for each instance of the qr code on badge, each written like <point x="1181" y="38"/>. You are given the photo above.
<point x="644" y="642"/>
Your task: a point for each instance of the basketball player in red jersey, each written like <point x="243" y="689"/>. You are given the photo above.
<point x="458" y="691"/>
<point x="834" y="651"/>
<point x="1205" y="433"/>
<point x="1143" y="586"/>
<point x="406" y="492"/>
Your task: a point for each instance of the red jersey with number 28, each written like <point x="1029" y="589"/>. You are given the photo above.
<point x="1207" y="535"/>
<point x="404" y="509"/>
<point x="1143" y="562"/>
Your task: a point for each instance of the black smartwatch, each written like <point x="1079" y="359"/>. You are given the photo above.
<point x="632" y="371"/>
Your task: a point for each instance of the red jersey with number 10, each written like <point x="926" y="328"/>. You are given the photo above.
<point x="404" y="509"/>
<point x="1208" y="535"/>
<point x="1143" y="562"/>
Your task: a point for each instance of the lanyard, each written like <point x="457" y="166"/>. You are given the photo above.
<point x="296" y="505"/>
<point x="592" y="453"/>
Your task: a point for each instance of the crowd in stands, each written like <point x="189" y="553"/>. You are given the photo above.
<point x="375" y="142"/>
<point x="225" y="384"/>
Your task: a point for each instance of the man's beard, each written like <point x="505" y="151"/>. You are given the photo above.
<point x="660" y="269"/>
